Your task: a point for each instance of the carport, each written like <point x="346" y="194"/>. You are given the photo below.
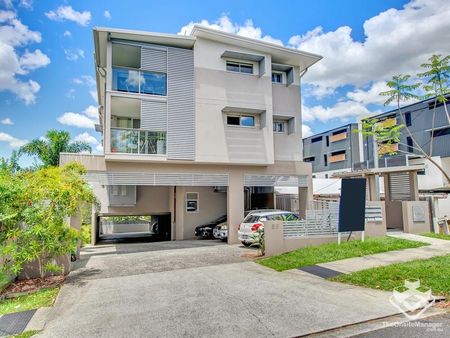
<point x="185" y="199"/>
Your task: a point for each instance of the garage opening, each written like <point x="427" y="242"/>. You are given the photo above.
<point x="146" y="227"/>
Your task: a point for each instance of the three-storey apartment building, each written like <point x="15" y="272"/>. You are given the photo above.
<point x="191" y="126"/>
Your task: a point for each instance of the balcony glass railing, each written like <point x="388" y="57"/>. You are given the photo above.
<point x="137" y="81"/>
<point x="138" y="141"/>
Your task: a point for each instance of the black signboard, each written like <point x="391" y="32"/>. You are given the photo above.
<point x="352" y="206"/>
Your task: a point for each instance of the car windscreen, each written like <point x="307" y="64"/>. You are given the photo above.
<point x="251" y="219"/>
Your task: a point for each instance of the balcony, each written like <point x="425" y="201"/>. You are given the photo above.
<point x="137" y="81"/>
<point x="337" y="158"/>
<point x="137" y="141"/>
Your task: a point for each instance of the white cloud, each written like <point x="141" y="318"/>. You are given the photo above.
<point x="67" y="33"/>
<point x="33" y="60"/>
<point x="86" y="137"/>
<point x="107" y="15"/>
<point x="94" y="96"/>
<point x="70" y="94"/>
<point x="74" y="54"/>
<point x="306" y="131"/>
<point x="91" y="112"/>
<point x="76" y="120"/>
<point x="99" y="148"/>
<point x="13" y="37"/>
<point x="343" y="111"/>
<point x="12" y="141"/>
<point x="85" y="80"/>
<point x="28" y="4"/>
<point x="224" y="24"/>
<point x="396" y="41"/>
<point x="68" y="13"/>
<point x="86" y="119"/>
<point x="7" y="121"/>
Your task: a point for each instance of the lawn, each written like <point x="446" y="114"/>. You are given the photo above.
<point x="332" y="252"/>
<point x="45" y="297"/>
<point x="433" y="273"/>
<point x="439" y="236"/>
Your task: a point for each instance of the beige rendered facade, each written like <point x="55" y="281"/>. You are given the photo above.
<point x="194" y="126"/>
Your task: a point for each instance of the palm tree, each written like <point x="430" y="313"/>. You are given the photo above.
<point x="55" y="142"/>
<point x="401" y="90"/>
<point x="437" y="86"/>
<point x="11" y="164"/>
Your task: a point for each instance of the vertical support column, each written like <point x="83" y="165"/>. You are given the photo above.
<point x="172" y="212"/>
<point x="414" y="186"/>
<point x="305" y="197"/>
<point x="75" y="222"/>
<point x="374" y="187"/>
<point x="435" y="213"/>
<point x="179" y="210"/>
<point x="235" y="205"/>
<point x="387" y="191"/>
<point x="94" y="225"/>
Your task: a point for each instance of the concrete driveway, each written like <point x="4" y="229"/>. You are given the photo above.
<point x="200" y="289"/>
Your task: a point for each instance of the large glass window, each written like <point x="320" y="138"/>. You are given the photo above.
<point x="136" y="141"/>
<point x="277" y="77"/>
<point x="136" y="81"/>
<point x="154" y="83"/>
<point x="126" y="80"/>
<point x="278" y="126"/>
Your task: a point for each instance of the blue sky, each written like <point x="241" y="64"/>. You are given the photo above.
<point x="47" y="70"/>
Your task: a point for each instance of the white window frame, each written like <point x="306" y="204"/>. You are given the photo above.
<point x="239" y="63"/>
<point x="192" y="199"/>
<point x="282" y="77"/>
<point x="240" y="119"/>
<point x="283" y="131"/>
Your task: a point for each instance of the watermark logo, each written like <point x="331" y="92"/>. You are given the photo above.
<point x="409" y="299"/>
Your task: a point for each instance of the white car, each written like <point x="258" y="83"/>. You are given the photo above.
<point x="253" y="221"/>
<point x="219" y="230"/>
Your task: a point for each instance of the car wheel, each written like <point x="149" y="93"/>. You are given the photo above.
<point x="246" y="243"/>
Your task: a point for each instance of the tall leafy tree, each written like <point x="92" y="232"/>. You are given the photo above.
<point x="11" y="164"/>
<point x="56" y="141"/>
<point x="402" y="90"/>
<point x="437" y="85"/>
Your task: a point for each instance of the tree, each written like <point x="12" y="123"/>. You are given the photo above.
<point x="55" y="142"/>
<point x="401" y="90"/>
<point x="437" y="86"/>
<point x="11" y="164"/>
<point x="34" y="207"/>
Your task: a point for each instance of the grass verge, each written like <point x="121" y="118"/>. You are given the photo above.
<point x="26" y="334"/>
<point x="332" y="252"/>
<point x="433" y="273"/>
<point x="439" y="236"/>
<point x="45" y="297"/>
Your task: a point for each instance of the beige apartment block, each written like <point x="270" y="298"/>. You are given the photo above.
<point x="193" y="128"/>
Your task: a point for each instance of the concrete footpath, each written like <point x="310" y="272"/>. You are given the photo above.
<point x="437" y="247"/>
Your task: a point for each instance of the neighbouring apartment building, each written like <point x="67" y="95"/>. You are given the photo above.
<point x="418" y="117"/>
<point x="194" y="127"/>
<point x="332" y="151"/>
<point x="353" y="152"/>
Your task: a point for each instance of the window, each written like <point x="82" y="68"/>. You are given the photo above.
<point x="119" y="190"/>
<point x="408" y="119"/>
<point x="441" y="132"/>
<point x="237" y="67"/>
<point x="327" y="139"/>
<point x="192" y="202"/>
<point x="242" y="120"/>
<point x="278" y="126"/>
<point x="409" y="142"/>
<point x="277" y="77"/>
<point x="136" y="81"/>
<point x="325" y="160"/>
<point x="309" y="159"/>
<point x="316" y="139"/>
